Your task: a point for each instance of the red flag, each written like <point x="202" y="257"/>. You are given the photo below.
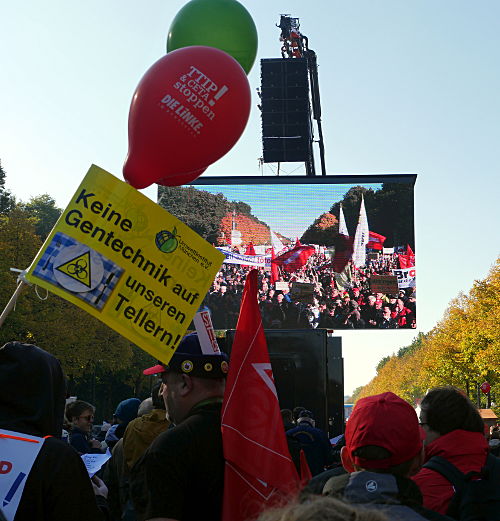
<point x="259" y="471"/>
<point x="408" y="260"/>
<point x="305" y="471"/>
<point x="375" y="241"/>
<point x="294" y="259"/>
<point x="250" y="249"/>
<point x="274" y="268"/>
<point x="344" y="246"/>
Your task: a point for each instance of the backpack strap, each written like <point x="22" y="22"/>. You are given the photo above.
<point x="492" y="466"/>
<point x="448" y="470"/>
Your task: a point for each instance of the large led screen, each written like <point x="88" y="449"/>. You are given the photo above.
<point x="335" y="252"/>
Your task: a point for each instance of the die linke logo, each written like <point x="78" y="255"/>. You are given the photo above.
<point x="196" y="92"/>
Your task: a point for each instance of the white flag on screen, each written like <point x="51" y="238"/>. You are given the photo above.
<point x="276" y="243"/>
<point x="361" y="238"/>
<point x="342" y="225"/>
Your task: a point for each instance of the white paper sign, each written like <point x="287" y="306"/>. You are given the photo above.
<point x="406" y="277"/>
<point x="18" y="452"/>
<point x="94" y="462"/>
<point x="206" y="333"/>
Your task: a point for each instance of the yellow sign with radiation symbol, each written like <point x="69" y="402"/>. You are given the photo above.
<point x="128" y="262"/>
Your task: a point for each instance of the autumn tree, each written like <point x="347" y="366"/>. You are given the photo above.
<point x="463" y="349"/>
<point x="323" y="231"/>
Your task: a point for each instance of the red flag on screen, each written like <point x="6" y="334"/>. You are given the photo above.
<point x="375" y="241"/>
<point x="408" y="260"/>
<point x="344" y="246"/>
<point x="250" y="249"/>
<point x="274" y="268"/>
<point x="259" y="471"/>
<point x="294" y="259"/>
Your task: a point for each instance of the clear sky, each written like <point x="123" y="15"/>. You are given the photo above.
<point x="406" y="86"/>
<point x="288" y="209"/>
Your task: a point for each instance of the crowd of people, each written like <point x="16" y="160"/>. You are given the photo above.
<point x="167" y="458"/>
<point x="332" y="304"/>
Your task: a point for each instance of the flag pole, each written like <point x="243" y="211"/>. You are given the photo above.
<point x="12" y="302"/>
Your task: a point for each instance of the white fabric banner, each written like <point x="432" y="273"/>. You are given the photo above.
<point x="259" y="261"/>
<point x="276" y="243"/>
<point x="361" y="238"/>
<point x="406" y="277"/>
<point x="342" y="225"/>
<point x="18" y="452"/>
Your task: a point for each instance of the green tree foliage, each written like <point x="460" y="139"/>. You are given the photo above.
<point x="87" y="348"/>
<point x="463" y="349"/>
<point x="201" y="211"/>
<point x="7" y="200"/>
<point x="351" y="204"/>
<point x="43" y="208"/>
<point x="389" y="211"/>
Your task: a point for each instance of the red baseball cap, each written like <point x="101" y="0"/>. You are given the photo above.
<point x="383" y="420"/>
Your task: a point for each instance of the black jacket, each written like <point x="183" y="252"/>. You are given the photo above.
<point x="32" y="399"/>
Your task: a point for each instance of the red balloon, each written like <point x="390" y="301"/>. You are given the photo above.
<point x="485" y="387"/>
<point x="182" y="179"/>
<point x="188" y="110"/>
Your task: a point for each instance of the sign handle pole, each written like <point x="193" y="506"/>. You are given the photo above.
<point x="12" y="302"/>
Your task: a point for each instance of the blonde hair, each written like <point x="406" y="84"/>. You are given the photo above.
<point x="322" y="508"/>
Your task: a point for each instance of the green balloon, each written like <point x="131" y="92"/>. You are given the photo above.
<point x="224" y="24"/>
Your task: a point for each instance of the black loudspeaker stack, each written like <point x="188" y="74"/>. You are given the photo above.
<point x="286" y="118"/>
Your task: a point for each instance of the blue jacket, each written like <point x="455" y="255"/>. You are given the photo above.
<point x="315" y="444"/>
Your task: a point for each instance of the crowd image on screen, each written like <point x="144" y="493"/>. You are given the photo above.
<point x="334" y="303"/>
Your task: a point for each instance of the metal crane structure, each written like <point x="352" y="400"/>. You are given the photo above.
<point x="288" y="131"/>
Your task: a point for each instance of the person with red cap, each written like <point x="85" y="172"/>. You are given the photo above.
<point x="383" y="449"/>
<point x="181" y="475"/>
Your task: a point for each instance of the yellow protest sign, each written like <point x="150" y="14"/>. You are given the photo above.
<point x="128" y="262"/>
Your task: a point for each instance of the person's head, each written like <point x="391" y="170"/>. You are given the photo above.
<point x="126" y="410"/>
<point x="386" y="311"/>
<point x="32" y="390"/>
<point x="383" y="435"/>
<point x="371" y="300"/>
<point x="280" y="297"/>
<point x="445" y="409"/>
<point x="306" y="417"/>
<point x="146" y="407"/>
<point x="190" y="377"/>
<point x="80" y="414"/>
<point x="321" y="508"/>
<point x="287" y="416"/>
<point x="297" y="411"/>
<point x="400" y="304"/>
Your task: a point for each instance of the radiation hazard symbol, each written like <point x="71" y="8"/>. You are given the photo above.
<point x="78" y="268"/>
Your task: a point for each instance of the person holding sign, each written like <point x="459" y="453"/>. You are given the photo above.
<point x="42" y="477"/>
<point x="181" y="475"/>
